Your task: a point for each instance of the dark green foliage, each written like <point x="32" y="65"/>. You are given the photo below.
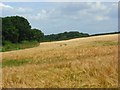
<point x="65" y="36"/>
<point x="10" y="34"/>
<point x="36" y="34"/>
<point x="17" y="29"/>
<point x="105" y="33"/>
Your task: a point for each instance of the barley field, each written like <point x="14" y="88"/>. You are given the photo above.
<point x="90" y="62"/>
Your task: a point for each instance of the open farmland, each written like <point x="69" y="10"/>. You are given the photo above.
<point x="90" y="62"/>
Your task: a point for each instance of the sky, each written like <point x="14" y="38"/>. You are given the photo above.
<point x="57" y="17"/>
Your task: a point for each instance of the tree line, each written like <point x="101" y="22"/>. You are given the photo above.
<point x="16" y="29"/>
<point x="65" y="36"/>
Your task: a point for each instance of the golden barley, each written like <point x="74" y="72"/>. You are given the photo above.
<point x="78" y="63"/>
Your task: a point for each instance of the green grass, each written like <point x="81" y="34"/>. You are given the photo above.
<point x="11" y="63"/>
<point x="25" y="44"/>
<point x="104" y="43"/>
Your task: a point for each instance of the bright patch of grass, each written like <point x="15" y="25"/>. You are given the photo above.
<point x="11" y="63"/>
<point x="25" y="44"/>
<point x="104" y="43"/>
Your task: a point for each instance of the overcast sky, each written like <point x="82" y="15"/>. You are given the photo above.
<point x="55" y="17"/>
